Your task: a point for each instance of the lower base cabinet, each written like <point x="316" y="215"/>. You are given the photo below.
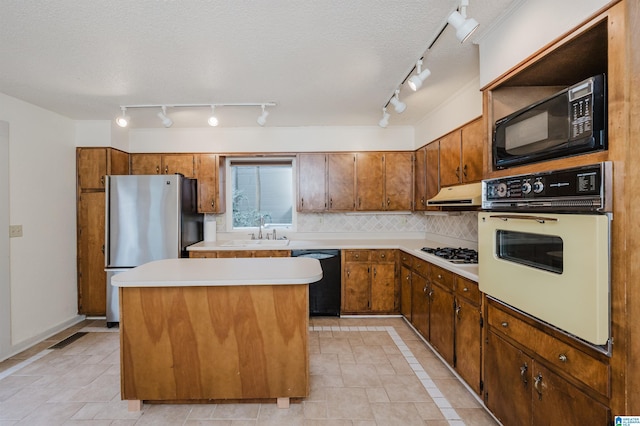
<point x="521" y="388"/>
<point x="369" y="282"/>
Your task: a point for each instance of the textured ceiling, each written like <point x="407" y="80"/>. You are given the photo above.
<point x="325" y="63"/>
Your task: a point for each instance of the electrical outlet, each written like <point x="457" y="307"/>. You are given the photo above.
<point x="15" y="231"/>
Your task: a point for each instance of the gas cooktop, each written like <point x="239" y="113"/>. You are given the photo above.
<point x="454" y="255"/>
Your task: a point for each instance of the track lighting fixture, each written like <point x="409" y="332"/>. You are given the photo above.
<point x="384" y="121"/>
<point x="262" y="120"/>
<point x="213" y="120"/>
<point x="464" y="26"/>
<point x="415" y="82"/>
<point x="123" y="120"/>
<point x="397" y="104"/>
<point x="166" y="121"/>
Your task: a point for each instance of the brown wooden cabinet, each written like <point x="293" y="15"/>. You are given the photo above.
<point x="369" y="281"/>
<point x="341" y="190"/>
<point x="461" y="154"/>
<point x="405" y="285"/>
<point x="210" y="172"/>
<point x="384" y="181"/>
<point x="420" y="179"/>
<point x="445" y="309"/>
<point x="441" y="312"/>
<point x="312" y="182"/>
<point x="547" y="376"/>
<point x="168" y="164"/>
<point x="468" y="332"/>
<point x="209" y="254"/>
<point x="92" y="165"/>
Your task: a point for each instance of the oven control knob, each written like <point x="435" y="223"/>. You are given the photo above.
<point x="526" y="188"/>
<point x="501" y="190"/>
<point x="538" y="187"/>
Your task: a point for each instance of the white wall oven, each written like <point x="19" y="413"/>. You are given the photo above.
<point x="544" y="242"/>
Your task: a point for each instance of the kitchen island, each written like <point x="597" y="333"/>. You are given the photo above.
<point x="215" y="329"/>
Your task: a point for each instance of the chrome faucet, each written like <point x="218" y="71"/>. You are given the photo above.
<point x="261" y="226"/>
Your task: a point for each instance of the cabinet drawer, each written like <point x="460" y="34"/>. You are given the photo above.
<point x="564" y="357"/>
<point x="406" y="259"/>
<point x="442" y="276"/>
<point x="421" y="267"/>
<point x="468" y="289"/>
<point x="357" y="255"/>
<point x="383" y="256"/>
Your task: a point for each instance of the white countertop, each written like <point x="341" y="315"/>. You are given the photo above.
<point x="221" y="272"/>
<point x="411" y="246"/>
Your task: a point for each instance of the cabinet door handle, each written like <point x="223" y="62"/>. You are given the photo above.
<point x="388" y="201"/>
<point x="439" y="276"/>
<point x="458" y="309"/>
<point x="424" y="290"/>
<point x="157" y="170"/>
<point x="302" y="202"/>
<point x="523" y="373"/>
<point x="330" y="203"/>
<point x="458" y="172"/>
<point x="102" y="180"/>
<point x="348" y="274"/>
<point x="537" y="383"/>
<point x="505" y="324"/>
<point x="357" y="256"/>
<point x="464" y="170"/>
<point x="465" y="289"/>
<point x="422" y="201"/>
<point x="382" y="256"/>
<point x="375" y="272"/>
<point x="563" y="358"/>
<point x="213" y="203"/>
<point x="166" y="170"/>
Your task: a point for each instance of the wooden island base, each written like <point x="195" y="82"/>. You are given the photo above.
<point x="206" y="343"/>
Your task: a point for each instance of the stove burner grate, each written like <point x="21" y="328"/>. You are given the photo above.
<point x="455" y="255"/>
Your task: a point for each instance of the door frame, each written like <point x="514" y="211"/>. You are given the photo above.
<point x="5" y="263"/>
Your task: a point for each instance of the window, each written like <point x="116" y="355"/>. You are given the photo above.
<point x="260" y="188"/>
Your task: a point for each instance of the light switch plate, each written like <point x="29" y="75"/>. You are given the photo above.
<point x="15" y="231"/>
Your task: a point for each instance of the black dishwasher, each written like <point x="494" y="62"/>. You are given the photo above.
<point x="324" y="295"/>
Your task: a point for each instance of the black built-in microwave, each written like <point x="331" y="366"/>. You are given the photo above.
<point x="572" y="121"/>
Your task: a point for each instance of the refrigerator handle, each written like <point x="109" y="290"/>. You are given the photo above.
<point x="105" y="246"/>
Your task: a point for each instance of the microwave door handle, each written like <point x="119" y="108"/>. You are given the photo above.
<point x="538" y="219"/>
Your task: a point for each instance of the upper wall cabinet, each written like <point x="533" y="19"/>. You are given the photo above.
<point x="168" y="164"/>
<point x="384" y="181"/>
<point x="461" y="154"/>
<point x="312" y="182"/>
<point x="94" y="163"/>
<point x="210" y="172"/>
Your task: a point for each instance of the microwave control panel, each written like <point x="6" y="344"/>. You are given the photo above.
<point x="586" y="188"/>
<point x="580" y="104"/>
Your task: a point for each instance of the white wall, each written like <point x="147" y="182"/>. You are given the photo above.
<point x="462" y="107"/>
<point x="42" y="200"/>
<point x="5" y="276"/>
<point x="526" y="29"/>
<point x="100" y="133"/>
<point x="272" y="139"/>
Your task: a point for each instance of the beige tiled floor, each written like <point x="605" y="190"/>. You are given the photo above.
<point x="365" y="371"/>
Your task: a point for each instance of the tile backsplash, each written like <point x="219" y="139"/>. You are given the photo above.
<point x="461" y="226"/>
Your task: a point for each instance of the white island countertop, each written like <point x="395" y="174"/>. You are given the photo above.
<point x="221" y="272"/>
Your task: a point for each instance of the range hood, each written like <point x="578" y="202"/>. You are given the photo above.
<point x="468" y="195"/>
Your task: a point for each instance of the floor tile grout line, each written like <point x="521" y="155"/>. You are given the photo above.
<point x="21" y="365"/>
<point x="449" y="413"/>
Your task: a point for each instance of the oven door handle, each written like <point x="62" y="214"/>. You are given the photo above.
<point x="538" y="219"/>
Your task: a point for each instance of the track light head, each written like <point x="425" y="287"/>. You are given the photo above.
<point x="464" y="26"/>
<point x="415" y="82"/>
<point x="166" y="121"/>
<point x="122" y="120"/>
<point x="397" y="104"/>
<point x="384" y="121"/>
<point x="213" y="120"/>
<point x="262" y="120"/>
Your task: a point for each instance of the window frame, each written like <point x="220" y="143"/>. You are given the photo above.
<point x="229" y="191"/>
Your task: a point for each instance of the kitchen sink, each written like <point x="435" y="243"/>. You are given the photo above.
<point x="253" y="243"/>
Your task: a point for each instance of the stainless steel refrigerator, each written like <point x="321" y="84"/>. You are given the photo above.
<point x="148" y="217"/>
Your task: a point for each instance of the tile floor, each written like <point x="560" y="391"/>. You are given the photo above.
<point x="364" y="371"/>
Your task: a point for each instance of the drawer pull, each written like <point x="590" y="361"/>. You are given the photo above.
<point x="505" y="324"/>
<point x="439" y="276"/>
<point x="465" y="289"/>
<point x="562" y="358"/>
<point x="382" y="256"/>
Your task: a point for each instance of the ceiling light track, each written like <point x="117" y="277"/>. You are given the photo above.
<point x="123" y="120"/>
<point x="464" y="28"/>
